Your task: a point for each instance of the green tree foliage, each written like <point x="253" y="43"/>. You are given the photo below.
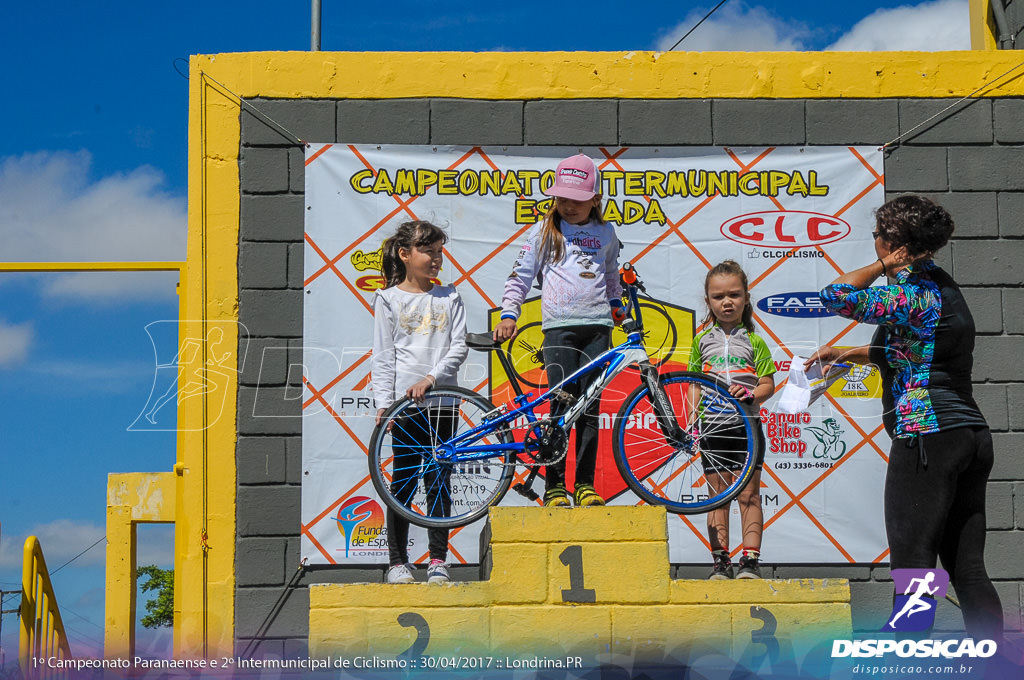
<point x="159" y="610"/>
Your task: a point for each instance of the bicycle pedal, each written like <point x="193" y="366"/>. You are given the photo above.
<point x="526" y="492"/>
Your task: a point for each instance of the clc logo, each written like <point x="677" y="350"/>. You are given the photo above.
<point x="785" y="229"/>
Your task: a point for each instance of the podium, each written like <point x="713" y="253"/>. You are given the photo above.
<point x="562" y="584"/>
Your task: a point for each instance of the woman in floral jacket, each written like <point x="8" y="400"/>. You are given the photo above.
<point x="941" y="452"/>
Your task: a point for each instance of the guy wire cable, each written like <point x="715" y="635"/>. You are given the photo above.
<point x="698" y="24"/>
<point x="78" y="555"/>
<point x="991" y="83"/>
<point x="242" y="102"/>
<point x="261" y="631"/>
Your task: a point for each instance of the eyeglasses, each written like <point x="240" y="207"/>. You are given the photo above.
<point x="875" y="234"/>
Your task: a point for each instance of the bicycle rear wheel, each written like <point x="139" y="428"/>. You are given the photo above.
<point x="419" y="476"/>
<point x="712" y="461"/>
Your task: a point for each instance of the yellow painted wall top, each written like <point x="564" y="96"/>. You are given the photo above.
<point x="588" y="75"/>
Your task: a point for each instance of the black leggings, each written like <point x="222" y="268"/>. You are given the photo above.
<point x="412" y="435"/>
<point x="935" y="506"/>
<point x="566" y="350"/>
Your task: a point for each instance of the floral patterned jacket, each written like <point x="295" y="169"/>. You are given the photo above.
<point x="924" y="348"/>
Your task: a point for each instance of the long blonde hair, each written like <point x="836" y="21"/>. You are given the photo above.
<point x="552" y="245"/>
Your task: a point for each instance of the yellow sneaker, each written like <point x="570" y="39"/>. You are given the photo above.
<point x="557" y="497"/>
<point x="586" y="496"/>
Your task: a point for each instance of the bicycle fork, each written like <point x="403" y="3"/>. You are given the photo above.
<point x="674" y="434"/>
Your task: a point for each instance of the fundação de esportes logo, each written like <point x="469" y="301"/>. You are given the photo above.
<point x="361" y="521"/>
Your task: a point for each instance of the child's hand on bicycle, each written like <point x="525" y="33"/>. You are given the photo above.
<point x="419" y="390"/>
<point x="744" y="394"/>
<point x="505" y="329"/>
<point x="380" y="414"/>
<point x="618" y="311"/>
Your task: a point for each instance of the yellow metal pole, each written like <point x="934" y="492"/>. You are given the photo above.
<point x="91" y="266"/>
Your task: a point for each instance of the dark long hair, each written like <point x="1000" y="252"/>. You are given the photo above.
<point x="415" y="233"/>
<point x="730" y="267"/>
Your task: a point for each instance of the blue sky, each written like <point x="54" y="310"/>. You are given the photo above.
<point x="93" y="167"/>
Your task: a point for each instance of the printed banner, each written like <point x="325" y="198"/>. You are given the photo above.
<point x="794" y="218"/>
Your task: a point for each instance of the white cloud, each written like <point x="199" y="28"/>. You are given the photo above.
<point x="14" y="342"/>
<point x="109" y="377"/>
<point x="60" y="540"/>
<point x="926" y="27"/>
<point x="737" y="28"/>
<point x="112" y="287"/>
<point x="52" y="210"/>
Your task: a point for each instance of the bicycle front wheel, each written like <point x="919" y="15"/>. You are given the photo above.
<point x="423" y="478"/>
<point x="701" y="464"/>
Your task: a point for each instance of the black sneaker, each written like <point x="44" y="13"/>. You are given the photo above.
<point x="748" y="568"/>
<point x="722" y="569"/>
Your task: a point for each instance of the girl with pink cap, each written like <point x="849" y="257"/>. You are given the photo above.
<point x="574" y="253"/>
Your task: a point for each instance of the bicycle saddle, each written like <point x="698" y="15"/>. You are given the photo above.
<point x="482" y="342"/>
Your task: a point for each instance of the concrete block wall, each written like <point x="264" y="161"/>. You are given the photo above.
<point x="968" y="159"/>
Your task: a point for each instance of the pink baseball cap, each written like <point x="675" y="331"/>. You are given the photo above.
<point x="577" y="178"/>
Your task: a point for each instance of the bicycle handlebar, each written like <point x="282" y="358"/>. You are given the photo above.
<point x="629" y="277"/>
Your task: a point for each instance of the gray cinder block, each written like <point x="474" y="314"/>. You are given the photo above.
<point x="571" y="122"/>
<point x="758" y="122"/>
<point x="671" y="121"/>
<point x="384" y="121"/>
<point x="466" y="122"/>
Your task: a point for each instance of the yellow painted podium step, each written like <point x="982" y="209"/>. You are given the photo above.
<point x="569" y="583"/>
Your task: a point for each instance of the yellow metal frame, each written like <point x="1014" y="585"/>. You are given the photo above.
<point x="131" y="498"/>
<point x="983" y="26"/>
<point x="57" y="267"/>
<point x="42" y="630"/>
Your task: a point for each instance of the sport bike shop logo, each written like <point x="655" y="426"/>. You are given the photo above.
<point x="913" y="610"/>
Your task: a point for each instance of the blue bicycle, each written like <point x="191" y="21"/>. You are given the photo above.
<point x="680" y="440"/>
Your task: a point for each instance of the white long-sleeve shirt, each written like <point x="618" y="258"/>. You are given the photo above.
<point x="416" y="335"/>
<point x="577" y="290"/>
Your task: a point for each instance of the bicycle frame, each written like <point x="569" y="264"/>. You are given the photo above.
<point x="610" y="362"/>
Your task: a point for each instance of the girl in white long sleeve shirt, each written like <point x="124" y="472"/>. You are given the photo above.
<point x="419" y="341"/>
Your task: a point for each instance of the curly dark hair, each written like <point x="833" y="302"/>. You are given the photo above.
<point x="915" y="222"/>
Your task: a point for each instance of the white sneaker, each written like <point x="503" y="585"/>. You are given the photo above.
<point x="437" y="572"/>
<point x="400" y="573"/>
